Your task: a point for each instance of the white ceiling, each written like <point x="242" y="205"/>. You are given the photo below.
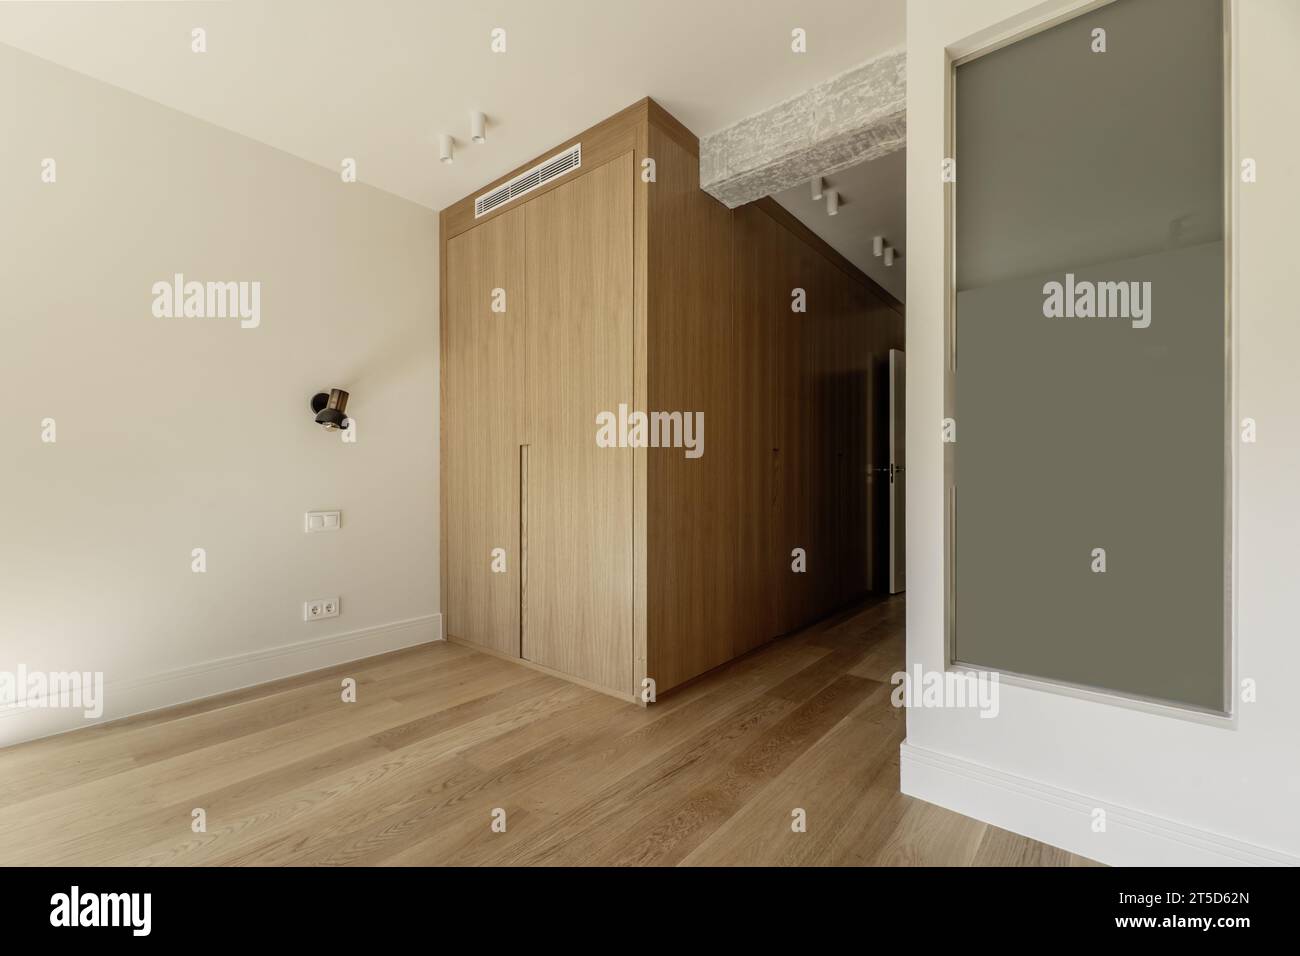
<point x="377" y="80"/>
<point x="872" y="203"/>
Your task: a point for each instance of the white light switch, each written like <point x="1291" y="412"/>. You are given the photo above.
<point x="323" y="521"/>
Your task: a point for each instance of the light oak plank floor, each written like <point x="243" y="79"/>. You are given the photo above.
<point x="441" y="737"/>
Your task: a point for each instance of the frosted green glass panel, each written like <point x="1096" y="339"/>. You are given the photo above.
<point x="1089" y="391"/>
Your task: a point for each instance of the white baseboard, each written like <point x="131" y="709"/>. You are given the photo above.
<point x="137" y="695"/>
<point x="1063" y="818"/>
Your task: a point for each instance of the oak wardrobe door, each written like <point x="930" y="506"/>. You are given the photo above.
<point x="578" y="512"/>
<point x="485" y="421"/>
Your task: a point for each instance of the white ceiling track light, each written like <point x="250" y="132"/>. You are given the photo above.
<point x="832" y="202"/>
<point x="816" y="188"/>
<point x="445" y="147"/>
<point x="477" y="126"/>
<point x="879" y="248"/>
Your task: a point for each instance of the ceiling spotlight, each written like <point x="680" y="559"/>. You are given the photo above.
<point x="832" y="202"/>
<point x="477" y="125"/>
<point x="877" y="245"/>
<point x="329" y="408"/>
<point x="889" y="255"/>
<point x="816" y="188"/>
<point x="444" y="147"/>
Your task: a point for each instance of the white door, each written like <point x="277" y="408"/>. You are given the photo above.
<point x="897" y="474"/>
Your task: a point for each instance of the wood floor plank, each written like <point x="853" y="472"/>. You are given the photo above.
<point x="614" y="811"/>
<point x="827" y="781"/>
<point x="623" y="750"/>
<point x="668" y="835"/>
<point x="120" y="732"/>
<point x="71" y="759"/>
<point x="425" y="768"/>
<point x="1003" y="848"/>
<point x="244" y="801"/>
<point x="884" y="658"/>
<point x="927" y="835"/>
<point x="107" y="801"/>
<point x="441" y="736"/>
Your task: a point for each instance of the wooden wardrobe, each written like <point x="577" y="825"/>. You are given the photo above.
<point x="620" y="282"/>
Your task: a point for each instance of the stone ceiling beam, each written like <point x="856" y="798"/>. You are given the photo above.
<point x="856" y="116"/>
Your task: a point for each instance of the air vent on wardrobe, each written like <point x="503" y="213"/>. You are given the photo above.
<point x="539" y="175"/>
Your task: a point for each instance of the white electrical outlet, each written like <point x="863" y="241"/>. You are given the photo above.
<point x="319" y="608"/>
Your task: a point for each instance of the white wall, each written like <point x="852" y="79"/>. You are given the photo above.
<point x="174" y="434"/>
<point x="1176" y="791"/>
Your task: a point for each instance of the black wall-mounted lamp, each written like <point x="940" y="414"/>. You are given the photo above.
<point x="329" y="408"/>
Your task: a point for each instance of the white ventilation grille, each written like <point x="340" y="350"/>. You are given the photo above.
<point x="539" y="175"/>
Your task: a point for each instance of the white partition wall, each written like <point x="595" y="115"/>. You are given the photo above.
<point x="1055" y="761"/>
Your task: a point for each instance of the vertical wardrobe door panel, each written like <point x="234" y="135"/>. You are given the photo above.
<point x="807" y="444"/>
<point x="578" y="521"/>
<point x="760" y="309"/>
<point x="822" y="407"/>
<point x="484" y="422"/>
<point x="783" y="272"/>
<point x="855" y="436"/>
